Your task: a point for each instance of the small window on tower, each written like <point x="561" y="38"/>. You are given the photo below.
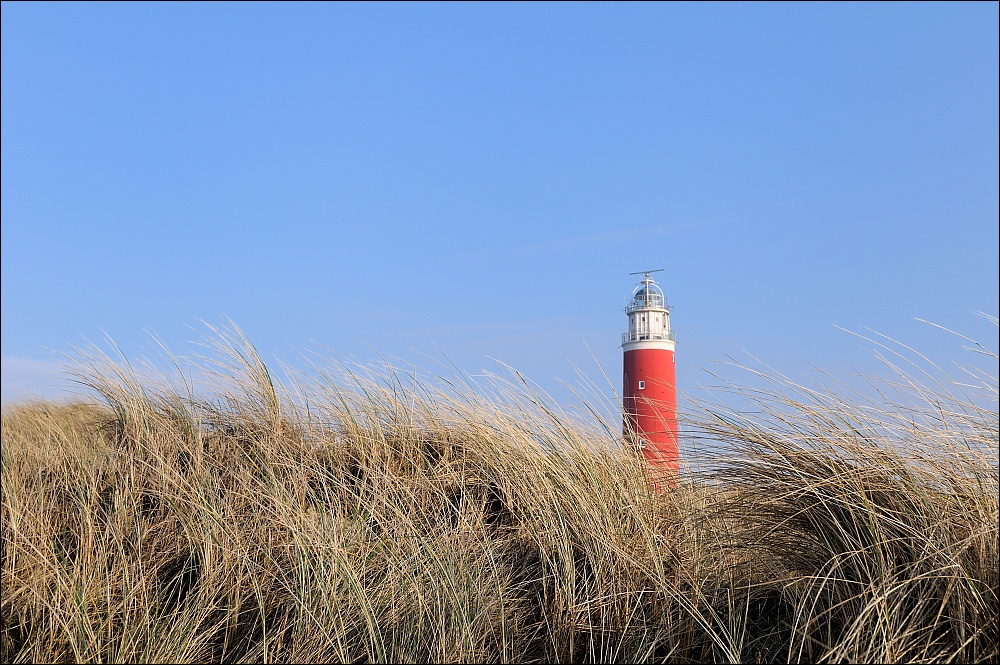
<point x="642" y="444"/>
<point x="642" y="385"/>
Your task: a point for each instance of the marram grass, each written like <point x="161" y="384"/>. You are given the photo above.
<point x="380" y="516"/>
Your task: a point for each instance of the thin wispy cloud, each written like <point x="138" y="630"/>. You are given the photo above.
<point x="22" y="377"/>
<point x="602" y="239"/>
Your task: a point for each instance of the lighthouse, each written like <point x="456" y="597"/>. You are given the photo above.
<point x="649" y="393"/>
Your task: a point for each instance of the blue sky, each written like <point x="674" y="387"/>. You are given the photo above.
<point x="483" y="177"/>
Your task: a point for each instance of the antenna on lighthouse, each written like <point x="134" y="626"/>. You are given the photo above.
<point x="646" y="273"/>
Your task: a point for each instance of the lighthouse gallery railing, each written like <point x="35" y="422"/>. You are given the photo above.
<point x="642" y="336"/>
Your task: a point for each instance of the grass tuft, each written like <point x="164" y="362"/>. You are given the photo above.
<point x="378" y="515"/>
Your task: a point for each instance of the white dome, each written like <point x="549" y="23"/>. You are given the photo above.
<point x="648" y="294"/>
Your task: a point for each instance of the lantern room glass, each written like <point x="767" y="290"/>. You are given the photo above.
<point x="647" y="295"/>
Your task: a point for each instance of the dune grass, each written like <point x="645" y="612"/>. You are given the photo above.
<point x="356" y="515"/>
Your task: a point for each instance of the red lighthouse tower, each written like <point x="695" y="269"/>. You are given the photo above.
<point x="649" y="394"/>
